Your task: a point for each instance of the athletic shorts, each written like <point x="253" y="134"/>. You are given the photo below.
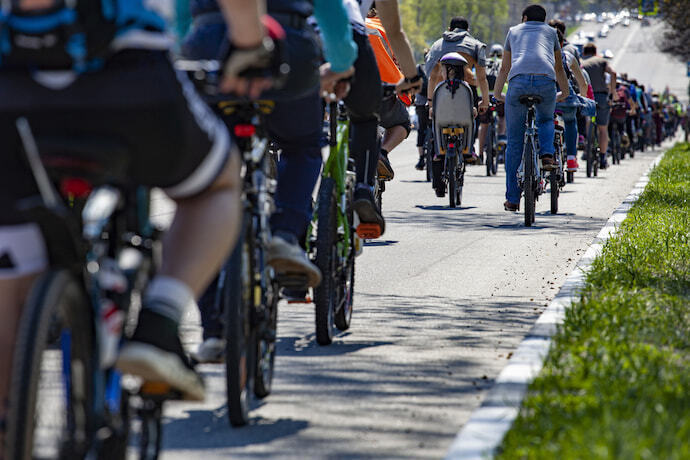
<point x="394" y="113"/>
<point x="167" y="135"/>
<point x="603" y="108"/>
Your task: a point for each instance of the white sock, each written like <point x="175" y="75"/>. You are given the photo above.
<point x="168" y="297"/>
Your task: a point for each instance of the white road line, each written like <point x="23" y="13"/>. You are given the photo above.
<point x="489" y="423"/>
<point x="624" y="48"/>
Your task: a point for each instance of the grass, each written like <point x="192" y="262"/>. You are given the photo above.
<point x="616" y="383"/>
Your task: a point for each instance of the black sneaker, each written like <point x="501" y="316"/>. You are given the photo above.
<point x="155" y="354"/>
<point x="440" y="191"/>
<point x="365" y="206"/>
<point x="385" y="169"/>
<point x="603" y="164"/>
<point x="420" y="164"/>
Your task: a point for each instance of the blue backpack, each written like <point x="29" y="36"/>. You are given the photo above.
<point x="63" y="34"/>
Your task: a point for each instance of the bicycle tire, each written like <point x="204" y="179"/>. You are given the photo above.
<point x="343" y="313"/>
<point x="378" y="193"/>
<point x="451" y="166"/>
<point x="490" y="153"/>
<point x="589" y="147"/>
<point x="529" y="185"/>
<point x="570" y="177"/>
<point x="56" y="295"/>
<point x="595" y="162"/>
<point x="325" y="294"/>
<point x="555" y="190"/>
<point x="266" y="346"/>
<point x="236" y="289"/>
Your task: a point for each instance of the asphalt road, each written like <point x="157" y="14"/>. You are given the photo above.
<point x="441" y="301"/>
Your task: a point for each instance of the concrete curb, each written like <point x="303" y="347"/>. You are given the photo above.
<point x="489" y="423"/>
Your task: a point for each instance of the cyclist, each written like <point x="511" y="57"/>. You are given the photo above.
<point x="297" y="137"/>
<point x="568" y="107"/>
<point x="493" y="66"/>
<point x="138" y="97"/>
<point x="598" y="67"/>
<point x="393" y="114"/>
<point x="532" y="63"/>
<point x="457" y="39"/>
<point x="421" y="105"/>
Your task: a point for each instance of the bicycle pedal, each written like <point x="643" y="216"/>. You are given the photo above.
<point x="292" y="300"/>
<point x="368" y="231"/>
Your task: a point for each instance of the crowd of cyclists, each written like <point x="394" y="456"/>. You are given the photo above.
<point x="104" y="72"/>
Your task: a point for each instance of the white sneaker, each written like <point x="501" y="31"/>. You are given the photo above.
<point x="211" y="350"/>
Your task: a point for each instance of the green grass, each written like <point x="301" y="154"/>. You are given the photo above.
<point x="616" y="383"/>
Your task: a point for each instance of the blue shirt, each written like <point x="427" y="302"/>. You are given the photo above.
<point x="532" y="47"/>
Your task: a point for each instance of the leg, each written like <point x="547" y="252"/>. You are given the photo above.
<point x="516" y="114"/>
<point x="545" y="112"/>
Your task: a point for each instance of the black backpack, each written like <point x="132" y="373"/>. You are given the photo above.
<point x="56" y="34"/>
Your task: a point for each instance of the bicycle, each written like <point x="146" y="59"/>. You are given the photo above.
<point x="556" y="176"/>
<point x="530" y="175"/>
<point x="428" y="150"/>
<point x="247" y="288"/>
<point x="492" y="147"/>
<point x="67" y="400"/>
<point x="334" y="237"/>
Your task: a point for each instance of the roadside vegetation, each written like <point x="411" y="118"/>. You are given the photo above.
<point x="616" y="383"/>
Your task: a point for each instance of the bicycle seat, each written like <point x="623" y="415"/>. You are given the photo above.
<point x="530" y="99"/>
<point x="97" y="158"/>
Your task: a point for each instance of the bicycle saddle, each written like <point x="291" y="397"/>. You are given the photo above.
<point x="529" y="99"/>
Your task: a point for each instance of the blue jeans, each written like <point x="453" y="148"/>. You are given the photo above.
<point x="516" y="114"/>
<point x="570" y="119"/>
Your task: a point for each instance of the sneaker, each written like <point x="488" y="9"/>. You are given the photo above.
<point x="368" y="212"/>
<point x="420" y="164"/>
<point x="512" y="207"/>
<point x="385" y="169"/>
<point x="440" y="191"/>
<point x="580" y="142"/>
<point x="603" y="164"/>
<point x="155" y="354"/>
<point x="472" y="158"/>
<point x="288" y="259"/>
<point x="547" y="162"/>
<point x="211" y="350"/>
<point x="572" y="165"/>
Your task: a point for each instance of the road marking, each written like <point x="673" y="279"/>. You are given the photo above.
<point x="624" y="48"/>
<point x="489" y="423"/>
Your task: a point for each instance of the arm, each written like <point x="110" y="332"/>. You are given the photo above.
<point x="561" y="77"/>
<point x="244" y="21"/>
<point x="612" y="84"/>
<point x="581" y="82"/>
<point x="390" y="19"/>
<point x="502" y="76"/>
<point x="341" y="50"/>
<point x="434" y="80"/>
<point x="484" y="86"/>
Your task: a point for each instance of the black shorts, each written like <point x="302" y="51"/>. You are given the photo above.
<point x="170" y="137"/>
<point x="423" y="123"/>
<point x="394" y="113"/>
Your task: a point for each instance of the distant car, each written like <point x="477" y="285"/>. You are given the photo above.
<point x="604" y="32"/>
<point x="626" y="22"/>
<point x="589" y="36"/>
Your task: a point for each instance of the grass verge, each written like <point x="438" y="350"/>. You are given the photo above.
<point x="616" y="382"/>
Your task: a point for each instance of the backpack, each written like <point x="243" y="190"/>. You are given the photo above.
<point x="56" y="34"/>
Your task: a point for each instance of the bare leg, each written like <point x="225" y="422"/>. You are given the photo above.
<point x="13" y="292"/>
<point x="393" y="137"/>
<point x="204" y="230"/>
<point x="501" y="126"/>
<point x="481" y="136"/>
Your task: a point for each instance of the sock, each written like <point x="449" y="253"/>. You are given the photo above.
<point x="168" y="297"/>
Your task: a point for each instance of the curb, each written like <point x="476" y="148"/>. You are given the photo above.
<point x="489" y="423"/>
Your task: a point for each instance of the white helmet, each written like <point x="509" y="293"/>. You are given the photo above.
<point x="496" y="50"/>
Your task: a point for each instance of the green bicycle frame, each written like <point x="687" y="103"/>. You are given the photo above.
<point x="336" y="169"/>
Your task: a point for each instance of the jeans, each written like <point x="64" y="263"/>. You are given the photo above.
<point x="570" y="119"/>
<point x="516" y="115"/>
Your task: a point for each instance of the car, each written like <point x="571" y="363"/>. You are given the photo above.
<point x="604" y="32"/>
<point x="626" y="22"/>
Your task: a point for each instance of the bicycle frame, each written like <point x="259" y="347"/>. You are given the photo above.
<point x="531" y="138"/>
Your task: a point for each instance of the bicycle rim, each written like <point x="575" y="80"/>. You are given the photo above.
<point x="529" y="185"/>
<point x="451" y="166"/>
<point x="51" y="396"/>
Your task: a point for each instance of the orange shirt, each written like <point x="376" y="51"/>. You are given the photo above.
<point x="385" y="59"/>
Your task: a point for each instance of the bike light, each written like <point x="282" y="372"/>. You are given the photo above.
<point x="75" y="187"/>
<point x="451" y="146"/>
<point x="245" y="130"/>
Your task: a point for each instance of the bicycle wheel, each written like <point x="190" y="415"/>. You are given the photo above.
<point x="451" y="167"/>
<point x="266" y="345"/>
<point x="555" y="190"/>
<point x="589" y="152"/>
<point x="595" y="161"/>
<point x="530" y="184"/>
<point x="490" y="153"/>
<point x="236" y="291"/>
<point x="343" y="313"/>
<point x="326" y="293"/>
<point x="379" y="188"/>
<point x="51" y="394"/>
<point x="460" y="182"/>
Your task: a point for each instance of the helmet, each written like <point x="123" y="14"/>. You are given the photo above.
<point x="496" y="50"/>
<point x="608" y="54"/>
<point x="453" y="59"/>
